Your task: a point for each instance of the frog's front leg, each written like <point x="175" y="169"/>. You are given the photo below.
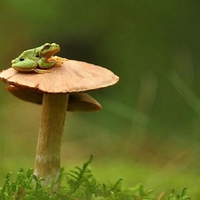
<point x="45" y="64"/>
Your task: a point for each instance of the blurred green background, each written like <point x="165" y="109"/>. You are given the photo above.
<point x="148" y="130"/>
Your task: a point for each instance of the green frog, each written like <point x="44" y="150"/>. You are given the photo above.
<point x="36" y="59"/>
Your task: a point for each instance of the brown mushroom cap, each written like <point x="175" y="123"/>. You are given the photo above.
<point x="67" y="76"/>
<point x="77" y="102"/>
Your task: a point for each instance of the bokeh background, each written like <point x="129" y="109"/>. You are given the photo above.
<point x="149" y="128"/>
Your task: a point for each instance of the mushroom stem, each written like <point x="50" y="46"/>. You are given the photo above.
<point x="47" y="162"/>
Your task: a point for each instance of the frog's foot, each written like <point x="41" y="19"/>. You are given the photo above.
<point x="42" y="71"/>
<point x="57" y="60"/>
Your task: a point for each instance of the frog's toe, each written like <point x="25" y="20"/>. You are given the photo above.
<point x="42" y="71"/>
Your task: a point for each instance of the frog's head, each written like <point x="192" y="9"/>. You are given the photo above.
<point x="49" y="50"/>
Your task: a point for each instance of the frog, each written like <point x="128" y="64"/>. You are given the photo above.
<point x="37" y="60"/>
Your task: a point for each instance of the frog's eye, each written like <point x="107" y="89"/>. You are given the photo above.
<point x="48" y="46"/>
<point x="21" y="59"/>
<point x="37" y="55"/>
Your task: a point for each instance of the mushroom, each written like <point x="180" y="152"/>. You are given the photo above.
<point x="66" y="78"/>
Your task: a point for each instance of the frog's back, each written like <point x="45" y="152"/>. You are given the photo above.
<point x="31" y="54"/>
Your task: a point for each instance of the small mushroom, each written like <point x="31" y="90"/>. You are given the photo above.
<point x="68" y="77"/>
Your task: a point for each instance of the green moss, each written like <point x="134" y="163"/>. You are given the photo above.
<point x="81" y="185"/>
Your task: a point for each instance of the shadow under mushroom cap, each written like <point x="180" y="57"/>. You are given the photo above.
<point x="77" y="101"/>
<point x="67" y="76"/>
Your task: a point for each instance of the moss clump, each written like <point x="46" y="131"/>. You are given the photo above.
<point x="81" y="185"/>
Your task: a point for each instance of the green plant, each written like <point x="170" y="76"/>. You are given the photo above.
<point x="183" y="195"/>
<point x="81" y="185"/>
